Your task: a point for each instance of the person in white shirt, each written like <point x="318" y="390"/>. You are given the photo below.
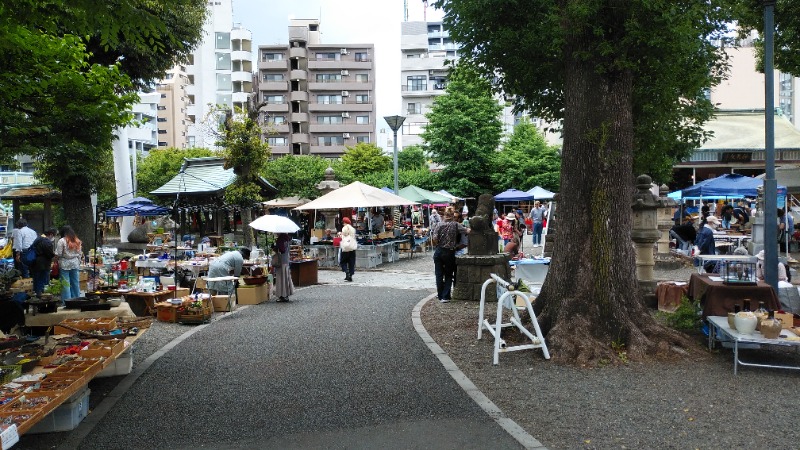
<point x="22" y="237"/>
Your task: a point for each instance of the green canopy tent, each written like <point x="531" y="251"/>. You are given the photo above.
<point x="424" y="196"/>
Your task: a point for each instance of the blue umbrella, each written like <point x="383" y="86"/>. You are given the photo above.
<point x="138" y="206"/>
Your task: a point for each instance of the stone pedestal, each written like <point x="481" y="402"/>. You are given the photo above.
<point x="482" y="243"/>
<point x="472" y="271"/>
<point x="665" y="222"/>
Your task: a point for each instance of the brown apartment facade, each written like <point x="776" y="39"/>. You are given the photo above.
<point x="319" y="98"/>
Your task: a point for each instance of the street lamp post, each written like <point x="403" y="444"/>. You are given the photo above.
<point x="770" y="183"/>
<point x="395" y="122"/>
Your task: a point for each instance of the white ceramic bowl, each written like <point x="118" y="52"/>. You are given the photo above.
<point x="745" y="325"/>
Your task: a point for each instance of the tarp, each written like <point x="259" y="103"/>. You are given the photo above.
<point x="513" y="195"/>
<point x="417" y="194"/>
<point x="728" y="185"/>
<point x="540" y="193"/>
<point x="453" y="198"/>
<point x="138" y="206"/>
<point x="356" y="195"/>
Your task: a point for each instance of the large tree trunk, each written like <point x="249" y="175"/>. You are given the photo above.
<point x="589" y="306"/>
<point x="79" y="215"/>
<point x="247" y="230"/>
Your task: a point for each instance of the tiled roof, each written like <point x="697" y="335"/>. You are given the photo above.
<point x="202" y="176"/>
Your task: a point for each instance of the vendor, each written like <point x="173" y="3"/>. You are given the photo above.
<point x="376" y="221"/>
<point x="760" y="268"/>
<point x="705" y="244"/>
<point x="228" y="264"/>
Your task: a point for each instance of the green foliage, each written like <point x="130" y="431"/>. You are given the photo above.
<point x="411" y="157"/>
<point x="55" y="287"/>
<point x="297" y="174"/>
<point x="246" y="153"/>
<point x="161" y="165"/>
<point x="750" y="15"/>
<point x="526" y="160"/>
<point x="685" y="318"/>
<point x="619" y="348"/>
<point x="664" y="47"/>
<point x="365" y="158"/>
<point x="463" y="133"/>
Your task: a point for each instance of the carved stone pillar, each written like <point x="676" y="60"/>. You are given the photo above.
<point x="665" y="223"/>
<point x="644" y="234"/>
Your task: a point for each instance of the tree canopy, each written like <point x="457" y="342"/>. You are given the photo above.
<point x="365" y="158"/>
<point x="412" y="157"/>
<point x="463" y="133"/>
<point x="297" y="174"/>
<point x="526" y="160"/>
<point x="750" y="17"/>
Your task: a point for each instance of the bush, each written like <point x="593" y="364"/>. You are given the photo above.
<point x="685" y="318"/>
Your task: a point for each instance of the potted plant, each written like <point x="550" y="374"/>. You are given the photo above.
<point x="8" y="277"/>
<point x="53" y="289"/>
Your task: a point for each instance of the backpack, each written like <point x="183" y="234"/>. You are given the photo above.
<point x="29" y="257"/>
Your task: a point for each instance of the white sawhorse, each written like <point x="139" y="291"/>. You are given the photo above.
<point x="507" y="300"/>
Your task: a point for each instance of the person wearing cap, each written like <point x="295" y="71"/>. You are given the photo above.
<point x="446" y="237"/>
<point x="760" y="268"/>
<point x="705" y="243"/>
<point x="348" y="248"/>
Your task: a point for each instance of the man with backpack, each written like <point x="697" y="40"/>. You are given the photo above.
<point x="23" y="237"/>
<point x="40" y="266"/>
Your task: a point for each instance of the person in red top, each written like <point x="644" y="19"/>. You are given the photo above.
<point x="507" y="228"/>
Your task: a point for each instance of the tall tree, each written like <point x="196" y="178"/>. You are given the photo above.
<point x="750" y="15"/>
<point x="526" y="160"/>
<point x="365" y="158"/>
<point x="463" y="132"/>
<point x="297" y="175"/>
<point x="247" y="154"/>
<point x="623" y="75"/>
<point x="412" y="157"/>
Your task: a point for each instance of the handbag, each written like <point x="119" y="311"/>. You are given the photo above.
<point x="276" y="260"/>
<point x="54" y="268"/>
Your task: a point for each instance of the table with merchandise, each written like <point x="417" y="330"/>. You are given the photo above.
<point x="721" y="331"/>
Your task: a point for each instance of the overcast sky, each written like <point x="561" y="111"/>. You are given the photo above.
<point x="342" y="22"/>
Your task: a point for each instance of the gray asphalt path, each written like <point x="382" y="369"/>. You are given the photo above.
<point x="341" y="366"/>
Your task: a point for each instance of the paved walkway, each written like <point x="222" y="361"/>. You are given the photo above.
<point x="341" y="366"/>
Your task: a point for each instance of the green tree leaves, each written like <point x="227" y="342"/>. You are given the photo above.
<point x="526" y="160"/>
<point x="365" y="158"/>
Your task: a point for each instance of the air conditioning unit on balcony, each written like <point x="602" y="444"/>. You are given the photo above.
<point x="346" y="135"/>
<point x="345" y="93"/>
<point x="345" y="114"/>
<point x="345" y="73"/>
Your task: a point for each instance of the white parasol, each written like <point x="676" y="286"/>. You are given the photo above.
<point x="274" y="224"/>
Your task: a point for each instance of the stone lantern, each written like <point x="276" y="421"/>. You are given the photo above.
<point x="645" y="234"/>
<point x="665" y="222"/>
<point x="756" y="244"/>
<point x="329" y="184"/>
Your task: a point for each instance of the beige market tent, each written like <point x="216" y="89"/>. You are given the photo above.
<point x="356" y="195"/>
<point x="286" y="202"/>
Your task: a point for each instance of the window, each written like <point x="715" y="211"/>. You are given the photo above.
<point x="276" y="141"/>
<point x="364" y="139"/>
<point x="224" y="82"/>
<point x="329" y="119"/>
<point x="162" y="108"/>
<point x="362" y="120"/>
<point x="223" y="40"/>
<point x="273" y="77"/>
<point x="269" y="56"/>
<point x="223" y="61"/>
<point x="328" y="56"/>
<point x="169" y="76"/>
<point x="162" y="119"/>
<point x="329" y="99"/>
<point x="162" y="144"/>
<point x="328" y="77"/>
<point x="362" y="56"/>
<point x="362" y="78"/>
<point x="414" y="108"/>
<point x="277" y="120"/>
<point x="225" y="99"/>
<point x="331" y="140"/>
<point x="190" y="141"/>
<point x="273" y="99"/>
<point x="413" y="56"/>
<point x="416" y="83"/>
<point x="362" y="98"/>
<point x="413" y="127"/>
<point x="162" y="131"/>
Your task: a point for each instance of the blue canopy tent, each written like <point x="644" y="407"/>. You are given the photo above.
<point x="138" y="206"/>
<point x="729" y="185"/>
<point x="513" y="195"/>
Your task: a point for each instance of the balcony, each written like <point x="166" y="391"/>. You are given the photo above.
<point x="245" y="77"/>
<point x="330" y="64"/>
<point x="328" y="150"/>
<point x="279" y="128"/>
<point x="281" y="150"/>
<point x="298" y="96"/>
<point x="348" y="127"/>
<point x="351" y="106"/>
<point x="276" y="107"/>
<point x="298" y="52"/>
<point x="273" y="86"/>
<point x="241" y="34"/>
<point x="351" y="86"/>
<point x="240" y="97"/>
<point x="299" y="117"/>
<point x="300" y="138"/>
<point x="280" y="64"/>
<point x="298" y="75"/>
<point x="241" y="55"/>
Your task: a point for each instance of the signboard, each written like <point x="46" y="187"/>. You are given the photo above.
<point x="736" y="157"/>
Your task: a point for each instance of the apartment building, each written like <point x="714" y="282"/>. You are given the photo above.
<point x="219" y="72"/>
<point x="318" y="98"/>
<point x="172" y="109"/>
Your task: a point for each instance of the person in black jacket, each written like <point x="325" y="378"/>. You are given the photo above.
<point x="685" y="234"/>
<point x="40" y="270"/>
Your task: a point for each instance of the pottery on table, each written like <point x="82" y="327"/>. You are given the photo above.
<point x="771" y="328"/>
<point x="745" y="322"/>
<point x="731" y="323"/>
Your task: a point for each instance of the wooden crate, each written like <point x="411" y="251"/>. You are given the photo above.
<point x="166" y="312"/>
<point x="201" y="315"/>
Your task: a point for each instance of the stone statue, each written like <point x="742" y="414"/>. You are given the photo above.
<point x="482" y="237"/>
<point x="139" y="234"/>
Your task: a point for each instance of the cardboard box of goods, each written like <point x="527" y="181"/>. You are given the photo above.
<point x="221" y="303"/>
<point x="787" y="319"/>
<point x="253" y="295"/>
<point x="317" y="233"/>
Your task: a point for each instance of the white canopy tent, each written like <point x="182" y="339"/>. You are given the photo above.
<point x="540" y="193"/>
<point x="356" y="195"/>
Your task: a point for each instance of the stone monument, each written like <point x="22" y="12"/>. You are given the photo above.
<point x="328" y="185"/>
<point x="482" y="259"/>
<point x="644" y="233"/>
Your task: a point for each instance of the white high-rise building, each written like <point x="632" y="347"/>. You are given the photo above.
<point x="219" y="71"/>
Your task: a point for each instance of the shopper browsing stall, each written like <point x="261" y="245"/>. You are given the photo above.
<point x="69" y="252"/>
<point x="230" y="263"/>
<point x="284" y="286"/>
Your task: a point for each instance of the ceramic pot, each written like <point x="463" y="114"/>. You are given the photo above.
<point x="731" y="323"/>
<point x="745" y="323"/>
<point x="771" y="328"/>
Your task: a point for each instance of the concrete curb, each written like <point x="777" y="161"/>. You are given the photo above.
<point x="511" y="427"/>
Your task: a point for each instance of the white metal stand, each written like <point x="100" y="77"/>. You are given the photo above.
<point x="507" y="300"/>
